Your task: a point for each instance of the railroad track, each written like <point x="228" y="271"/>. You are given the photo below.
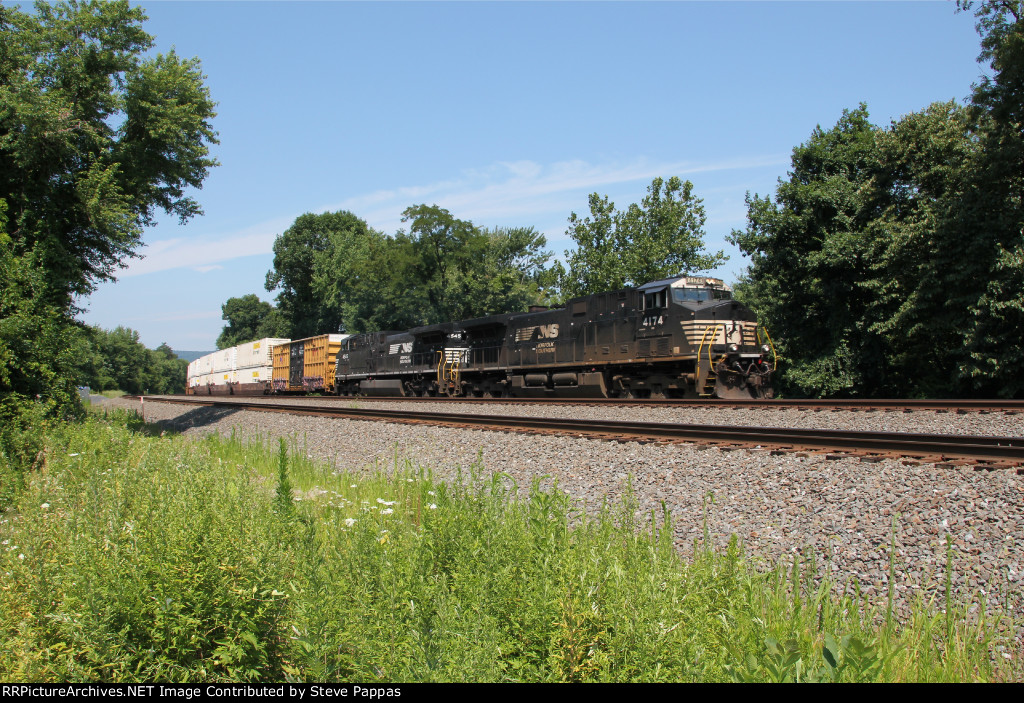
<point x="984" y="452"/>
<point x="1010" y="407"/>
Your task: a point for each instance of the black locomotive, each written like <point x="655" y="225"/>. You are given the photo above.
<point x="677" y="338"/>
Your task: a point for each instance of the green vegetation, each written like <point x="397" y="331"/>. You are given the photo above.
<point x="891" y="261"/>
<point x="115" y="360"/>
<point x="661" y="237"/>
<point x="136" y="556"/>
<point x="97" y="136"/>
<point x="331" y="271"/>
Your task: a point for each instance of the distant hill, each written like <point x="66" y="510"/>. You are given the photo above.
<point x="191" y="355"/>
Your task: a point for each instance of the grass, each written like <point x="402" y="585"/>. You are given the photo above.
<point x="132" y="557"/>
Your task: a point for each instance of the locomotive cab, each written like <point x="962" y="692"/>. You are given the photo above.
<point x="731" y="361"/>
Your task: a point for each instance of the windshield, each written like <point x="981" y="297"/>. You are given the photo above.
<point x="699" y="295"/>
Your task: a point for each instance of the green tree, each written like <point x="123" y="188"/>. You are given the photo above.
<point x="37" y="361"/>
<point x="921" y="285"/>
<point x="442" y="269"/>
<point x="447" y="253"/>
<point x="249" y="318"/>
<point x="514" y="273"/>
<point x="993" y="209"/>
<point x="661" y="237"/>
<point x="887" y="265"/>
<point x="96" y="136"/>
<point x="297" y="251"/>
<point x="165" y="372"/>
<point x="117" y="360"/>
<point x="360" y="275"/>
<point x="455" y="270"/>
<point x="807" y="263"/>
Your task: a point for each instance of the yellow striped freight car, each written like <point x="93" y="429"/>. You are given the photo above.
<point x="306" y="365"/>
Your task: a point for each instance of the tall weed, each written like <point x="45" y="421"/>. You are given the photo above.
<point x="137" y="557"/>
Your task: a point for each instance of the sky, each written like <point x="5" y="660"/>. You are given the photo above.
<point x="506" y="114"/>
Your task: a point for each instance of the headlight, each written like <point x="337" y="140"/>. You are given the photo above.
<point x="765" y="349"/>
<point x="734" y="348"/>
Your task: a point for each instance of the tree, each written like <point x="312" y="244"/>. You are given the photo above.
<point x="993" y="208"/>
<point x="95" y="138"/>
<point x="513" y="272"/>
<point x="249" y="318"/>
<point x="166" y="373"/>
<point x="661" y="237"/>
<point x="448" y="253"/>
<point x="442" y="269"/>
<point x="37" y="360"/>
<point x="922" y="279"/>
<point x="807" y="265"/>
<point x="460" y="271"/>
<point x="296" y="254"/>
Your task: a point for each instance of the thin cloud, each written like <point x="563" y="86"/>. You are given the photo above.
<point x="523" y="192"/>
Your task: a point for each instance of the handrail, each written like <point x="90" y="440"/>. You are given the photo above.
<point x="775" y="355"/>
<point x="447" y="371"/>
<point x="713" y="329"/>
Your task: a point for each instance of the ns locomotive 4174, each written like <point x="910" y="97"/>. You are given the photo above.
<point x="677" y="338"/>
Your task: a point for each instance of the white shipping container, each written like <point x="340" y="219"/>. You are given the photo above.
<point x="206" y="364"/>
<point x="255" y="374"/>
<point x="224" y="360"/>
<point x="257" y="353"/>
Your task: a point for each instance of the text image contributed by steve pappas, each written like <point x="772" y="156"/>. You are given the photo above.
<point x="305" y="691"/>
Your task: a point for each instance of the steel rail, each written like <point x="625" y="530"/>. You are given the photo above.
<point x="887" y="404"/>
<point x="987" y="448"/>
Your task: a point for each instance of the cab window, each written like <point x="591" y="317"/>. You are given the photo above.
<point x="699" y="295"/>
<point x="656" y="299"/>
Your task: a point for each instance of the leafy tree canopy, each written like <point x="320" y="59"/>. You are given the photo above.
<point x="249" y="318"/>
<point x="296" y="254"/>
<point x="117" y="360"/>
<point x="95" y="137"/>
<point x="336" y="273"/>
<point x="663" y="236"/>
<point x="891" y="262"/>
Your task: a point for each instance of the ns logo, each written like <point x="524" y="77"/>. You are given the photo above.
<point x="525" y="334"/>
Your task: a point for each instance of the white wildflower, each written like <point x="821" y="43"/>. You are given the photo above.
<point x="21" y="556"/>
<point x="352" y="486"/>
<point x="349" y="521"/>
<point x="44" y="506"/>
<point x="432" y="506"/>
<point x="386" y="511"/>
<point x="386" y="502"/>
<point x="431" y="493"/>
<point x="75" y="454"/>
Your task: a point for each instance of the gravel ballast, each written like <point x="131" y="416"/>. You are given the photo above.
<point x="843" y="512"/>
<point x="1001" y="424"/>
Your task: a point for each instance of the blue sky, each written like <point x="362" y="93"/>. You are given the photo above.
<point x="506" y="113"/>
